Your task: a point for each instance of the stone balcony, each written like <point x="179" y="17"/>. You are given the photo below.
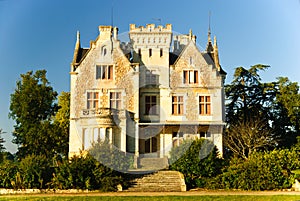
<point x="105" y="113"/>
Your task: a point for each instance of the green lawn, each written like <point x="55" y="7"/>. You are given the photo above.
<point x="157" y="198"/>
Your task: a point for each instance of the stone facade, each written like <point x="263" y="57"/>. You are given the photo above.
<point x="147" y="95"/>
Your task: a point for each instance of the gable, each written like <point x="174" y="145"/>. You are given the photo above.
<point x="192" y="59"/>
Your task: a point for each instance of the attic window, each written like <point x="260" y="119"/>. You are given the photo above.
<point x="104" y="72"/>
<point x="103" y="51"/>
<point x="190" y="77"/>
<point x="191" y="61"/>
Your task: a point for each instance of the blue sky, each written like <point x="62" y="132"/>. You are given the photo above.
<point x="40" y="34"/>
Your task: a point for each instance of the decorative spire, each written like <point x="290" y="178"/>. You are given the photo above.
<point x="77" y="47"/>
<point x="215" y="42"/>
<point x="209" y="32"/>
<point x="190" y="34"/>
<point x="209" y="46"/>
<point x="216" y="54"/>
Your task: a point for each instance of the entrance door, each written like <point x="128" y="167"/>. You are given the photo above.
<point x="151" y="145"/>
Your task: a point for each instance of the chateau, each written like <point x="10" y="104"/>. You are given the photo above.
<point x="145" y="95"/>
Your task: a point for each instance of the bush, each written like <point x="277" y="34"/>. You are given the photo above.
<point x="110" y="156"/>
<point x="85" y="172"/>
<point x="262" y="171"/>
<point x="198" y="160"/>
<point x="35" y="171"/>
<point x="8" y="173"/>
<point x="75" y="174"/>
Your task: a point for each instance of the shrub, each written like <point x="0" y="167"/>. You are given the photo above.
<point x="76" y="173"/>
<point x="262" y="171"/>
<point x="8" y="172"/>
<point x="85" y="172"/>
<point x="110" y="156"/>
<point x="198" y="160"/>
<point x="35" y="171"/>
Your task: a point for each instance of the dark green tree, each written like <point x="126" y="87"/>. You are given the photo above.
<point x="33" y="106"/>
<point x="274" y="103"/>
<point x="288" y="98"/>
<point x="2" y="148"/>
<point x="247" y="97"/>
<point x="249" y="110"/>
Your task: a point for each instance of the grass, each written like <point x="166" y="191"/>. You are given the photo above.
<point x="157" y="198"/>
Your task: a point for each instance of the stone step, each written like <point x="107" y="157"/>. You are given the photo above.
<point x="161" y="181"/>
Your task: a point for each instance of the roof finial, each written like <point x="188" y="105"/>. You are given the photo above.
<point x="78" y="36"/>
<point x="209" y="46"/>
<point x="209" y="32"/>
<point x="190" y="34"/>
<point x="215" y="42"/>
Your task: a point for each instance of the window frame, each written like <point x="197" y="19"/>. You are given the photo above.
<point x="177" y="105"/>
<point x="114" y="98"/>
<point x="190" y="76"/>
<point x="205" y="105"/>
<point x="150" y="104"/>
<point x="105" y="72"/>
<point x="92" y="102"/>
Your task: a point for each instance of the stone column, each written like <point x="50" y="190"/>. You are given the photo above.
<point x="162" y="145"/>
<point x="110" y="135"/>
<point x="102" y="133"/>
<point x="136" y="147"/>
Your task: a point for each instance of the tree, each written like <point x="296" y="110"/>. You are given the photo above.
<point x="33" y="106"/>
<point x="249" y="99"/>
<point x="62" y="122"/>
<point x="249" y="112"/>
<point x="247" y="96"/>
<point x="288" y="101"/>
<point x="2" y="148"/>
<point x="245" y="137"/>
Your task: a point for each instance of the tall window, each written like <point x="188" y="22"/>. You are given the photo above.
<point x="161" y="52"/>
<point x="150" y="103"/>
<point x="204" y="105"/>
<point x="104" y="72"/>
<point x="190" y="76"/>
<point x="177" y="105"/>
<point x="150" y="52"/>
<point x="151" y="77"/>
<point x="92" y="100"/>
<point x="140" y="52"/>
<point x="115" y="100"/>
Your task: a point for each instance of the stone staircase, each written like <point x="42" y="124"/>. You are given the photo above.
<point x="161" y="181"/>
<point x="153" y="164"/>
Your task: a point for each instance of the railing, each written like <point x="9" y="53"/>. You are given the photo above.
<point x="102" y="112"/>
